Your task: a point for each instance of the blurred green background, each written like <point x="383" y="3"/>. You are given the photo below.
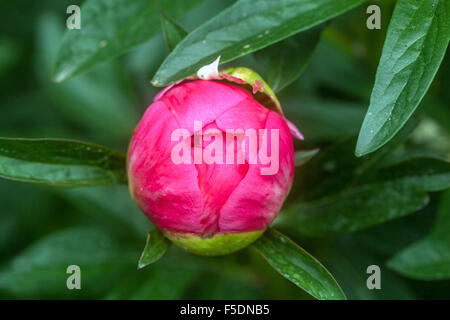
<point x="43" y="230"/>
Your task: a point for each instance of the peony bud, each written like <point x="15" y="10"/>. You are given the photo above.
<point x="210" y="165"/>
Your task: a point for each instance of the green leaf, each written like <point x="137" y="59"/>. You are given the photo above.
<point x="347" y="258"/>
<point x="155" y="247"/>
<point x="110" y="28"/>
<point x="245" y="27"/>
<point x="61" y="163"/>
<point x="389" y="193"/>
<point x="41" y="269"/>
<point x="286" y="60"/>
<point x="439" y="112"/>
<point x="165" y="280"/>
<point x="297" y="265"/>
<point x="172" y="31"/>
<point x="372" y="161"/>
<point x="100" y="94"/>
<point x="336" y="167"/>
<point x="324" y="119"/>
<point x="302" y="157"/>
<point x="111" y="206"/>
<point x="429" y="258"/>
<point x="352" y="209"/>
<point x="415" y="45"/>
<point x="18" y="223"/>
<point x="418" y="173"/>
<point x="334" y="66"/>
<point x="159" y="283"/>
<point x="182" y="275"/>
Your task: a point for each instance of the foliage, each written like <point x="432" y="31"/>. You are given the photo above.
<point x="415" y="45"/>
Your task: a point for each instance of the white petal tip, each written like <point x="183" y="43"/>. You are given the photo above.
<point x="210" y="71"/>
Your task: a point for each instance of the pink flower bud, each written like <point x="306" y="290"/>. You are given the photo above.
<point x="210" y="166"/>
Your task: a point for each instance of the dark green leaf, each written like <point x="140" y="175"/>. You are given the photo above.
<point x="83" y="101"/>
<point x="348" y="257"/>
<point x="439" y="112"/>
<point x="336" y="167"/>
<point x="41" y="268"/>
<point x="159" y="282"/>
<point x="172" y="31"/>
<point x="428" y="259"/>
<point x="374" y="160"/>
<point x="182" y="275"/>
<point x="245" y="27"/>
<point x="324" y="119"/>
<point x="155" y="247"/>
<point x="422" y="174"/>
<point x="389" y="193"/>
<point x="18" y="223"/>
<point x="110" y="28"/>
<point x="62" y="163"/>
<point x="298" y="266"/>
<point x="415" y="45"/>
<point x="334" y="66"/>
<point x="285" y="61"/>
<point x="111" y="206"/>
<point x="352" y="209"/>
<point x="302" y="157"/>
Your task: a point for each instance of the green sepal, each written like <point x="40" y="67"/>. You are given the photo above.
<point x="213" y="244"/>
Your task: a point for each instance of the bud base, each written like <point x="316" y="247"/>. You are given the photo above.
<point x="215" y="245"/>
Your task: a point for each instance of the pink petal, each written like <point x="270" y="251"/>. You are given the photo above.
<point x="294" y="130"/>
<point x="217" y="182"/>
<point x="167" y="193"/>
<point x="247" y="114"/>
<point x="202" y="100"/>
<point x="258" y="198"/>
